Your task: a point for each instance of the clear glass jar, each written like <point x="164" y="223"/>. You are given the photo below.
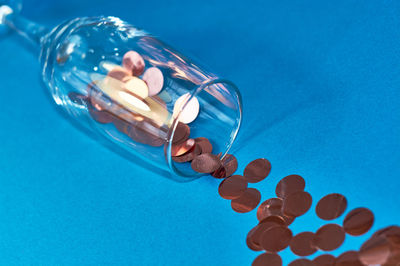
<point x="82" y="62"/>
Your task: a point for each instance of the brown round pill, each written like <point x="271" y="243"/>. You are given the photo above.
<point x="290" y="184"/>
<point x="204" y="144"/>
<point x="132" y="131"/>
<point x="349" y="258"/>
<point x="155" y="141"/>
<point x="392" y="234"/>
<point x="329" y="237"/>
<point x="288" y="219"/>
<point x="375" y="251"/>
<point x="388" y="231"/>
<point x="276" y="238"/>
<point x="205" y="163"/>
<point x="122" y="125"/>
<point x="394" y="259"/>
<point x="254" y="236"/>
<point x="248" y="201"/>
<point x="358" y="221"/>
<point x="270" y="259"/>
<point x="133" y="62"/>
<point x="189" y="156"/>
<point x="250" y="240"/>
<point x="182" y="148"/>
<point x="269" y="207"/>
<point x="302" y="262"/>
<point x="273" y="207"/>
<point x="230" y="163"/>
<point x="232" y="187"/>
<point x="331" y="206"/>
<point x="324" y="260"/>
<point x="138" y="133"/>
<point x="302" y="244"/>
<point x="182" y="133"/>
<point x="274" y="220"/>
<point x="103" y="117"/>
<point x="219" y="173"/>
<point x="228" y="167"/>
<point x="297" y="204"/>
<point x="257" y="170"/>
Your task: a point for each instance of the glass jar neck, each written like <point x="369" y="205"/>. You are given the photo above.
<point x="31" y="31"/>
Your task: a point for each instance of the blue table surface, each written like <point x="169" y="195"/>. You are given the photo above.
<point x="320" y="84"/>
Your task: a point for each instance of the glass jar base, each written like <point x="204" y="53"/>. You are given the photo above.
<point x="7" y="7"/>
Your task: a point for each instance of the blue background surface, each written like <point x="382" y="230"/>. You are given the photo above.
<point x="320" y="83"/>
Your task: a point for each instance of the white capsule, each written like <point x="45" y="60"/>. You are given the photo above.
<point x="189" y="112"/>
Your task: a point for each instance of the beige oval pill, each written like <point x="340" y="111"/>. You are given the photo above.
<point x="146" y="106"/>
<point x="191" y="110"/>
<point x="137" y="86"/>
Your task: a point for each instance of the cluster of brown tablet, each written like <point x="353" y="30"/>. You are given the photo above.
<point x="185" y="149"/>
<point x="235" y="187"/>
<point x="198" y="152"/>
<point x="383" y="248"/>
<point x="272" y="234"/>
<point x="276" y="214"/>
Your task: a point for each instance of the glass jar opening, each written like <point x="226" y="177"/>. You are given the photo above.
<point x="219" y="120"/>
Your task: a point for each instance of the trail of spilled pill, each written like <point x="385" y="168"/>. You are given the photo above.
<point x="275" y="215"/>
<point x="272" y="233"/>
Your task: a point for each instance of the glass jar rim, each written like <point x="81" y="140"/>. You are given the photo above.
<point x="168" y="146"/>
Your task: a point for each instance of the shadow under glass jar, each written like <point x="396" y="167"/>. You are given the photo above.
<point x="124" y="84"/>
